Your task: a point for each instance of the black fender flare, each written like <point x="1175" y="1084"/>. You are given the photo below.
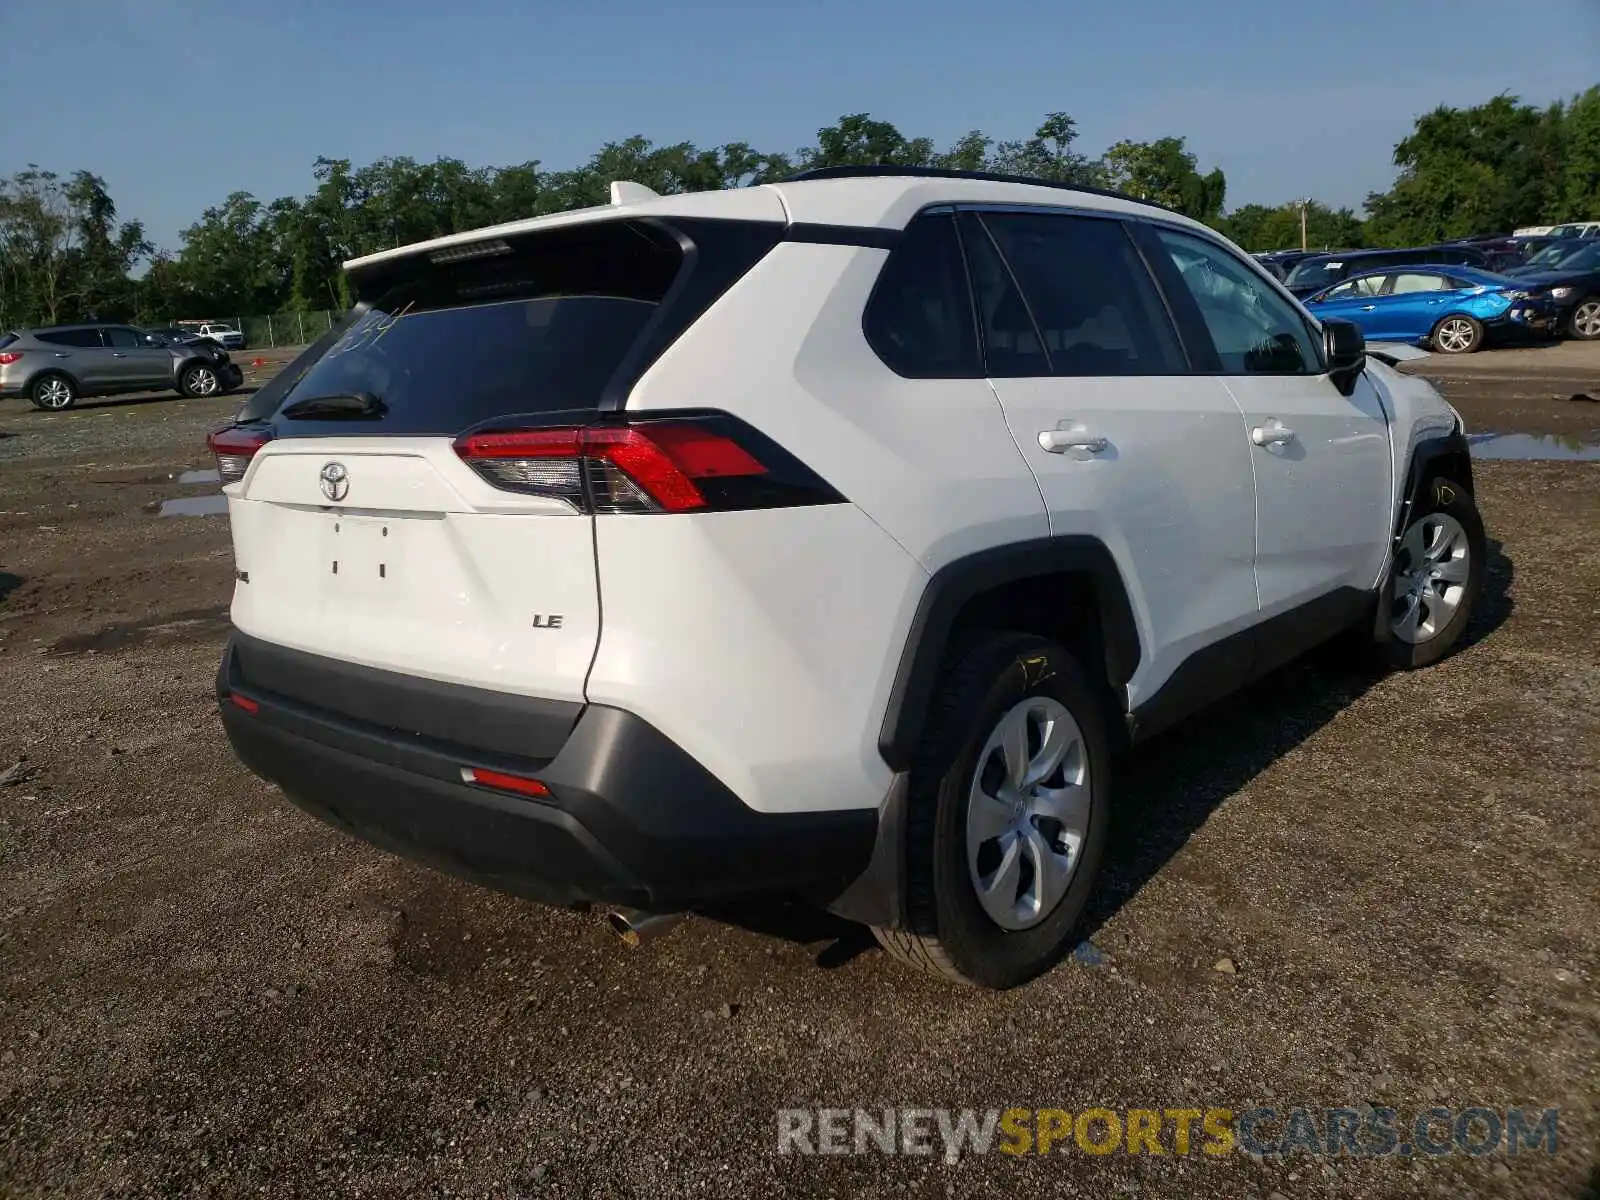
<point x="1426" y="454"/>
<point x="958" y="582"/>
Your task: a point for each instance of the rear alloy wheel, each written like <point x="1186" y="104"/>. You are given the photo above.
<point x="1436" y="577"/>
<point x="1457" y="335"/>
<point x="199" y="381"/>
<point x="1586" y="319"/>
<point x="1007" y="815"/>
<point x="54" y="393"/>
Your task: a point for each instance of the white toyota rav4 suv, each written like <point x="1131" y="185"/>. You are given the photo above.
<point x="820" y="540"/>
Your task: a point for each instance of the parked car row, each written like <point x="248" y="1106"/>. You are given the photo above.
<point x="57" y="365"/>
<point x="1455" y="297"/>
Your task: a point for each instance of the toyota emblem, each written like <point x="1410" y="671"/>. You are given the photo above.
<point x="335" y="481"/>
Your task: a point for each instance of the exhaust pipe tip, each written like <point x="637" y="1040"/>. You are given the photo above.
<point x="636" y="927"/>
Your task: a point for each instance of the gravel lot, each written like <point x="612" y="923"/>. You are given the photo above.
<point x="203" y="992"/>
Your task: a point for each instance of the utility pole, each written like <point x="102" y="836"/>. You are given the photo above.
<point x="1303" y="204"/>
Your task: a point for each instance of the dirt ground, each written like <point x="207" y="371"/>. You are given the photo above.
<point x="204" y="992"/>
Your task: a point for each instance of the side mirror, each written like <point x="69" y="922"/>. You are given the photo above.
<point x="1346" y="349"/>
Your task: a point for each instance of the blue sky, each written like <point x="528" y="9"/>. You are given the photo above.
<point x="178" y="102"/>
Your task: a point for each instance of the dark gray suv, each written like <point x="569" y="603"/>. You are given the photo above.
<point x="56" y="365"/>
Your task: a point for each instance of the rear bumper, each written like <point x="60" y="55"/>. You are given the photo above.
<point x="631" y="820"/>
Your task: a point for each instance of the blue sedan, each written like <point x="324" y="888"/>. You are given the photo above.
<point x="1454" y="309"/>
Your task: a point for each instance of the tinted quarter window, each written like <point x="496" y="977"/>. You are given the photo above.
<point x="1254" y="329"/>
<point x="119" y="338"/>
<point x="1094" y="304"/>
<point x="71" y="337"/>
<point x="919" y="319"/>
<point x="1011" y="344"/>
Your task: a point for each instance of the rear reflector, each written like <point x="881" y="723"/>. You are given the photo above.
<point x="244" y="702"/>
<point x="703" y="463"/>
<point x="234" y="448"/>
<point x="503" y="783"/>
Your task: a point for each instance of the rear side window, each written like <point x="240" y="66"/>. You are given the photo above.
<point x="1093" y="303"/>
<point x="919" y="319"/>
<point x="1409" y="282"/>
<point x="496" y="329"/>
<point x="70" y="337"/>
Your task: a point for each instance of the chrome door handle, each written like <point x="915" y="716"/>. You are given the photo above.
<point x="62" y="354"/>
<point x="118" y="354"/>
<point x="1368" y="307"/>
<point x="1273" y="433"/>
<point x="1059" y="441"/>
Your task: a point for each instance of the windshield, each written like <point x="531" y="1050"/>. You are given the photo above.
<point x="1586" y="259"/>
<point x="1551" y="255"/>
<point x="1315" y="271"/>
<point x="446" y="342"/>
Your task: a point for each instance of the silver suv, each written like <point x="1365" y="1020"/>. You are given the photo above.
<point x="56" y="365"/>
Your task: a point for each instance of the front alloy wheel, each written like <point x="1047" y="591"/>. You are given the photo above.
<point x="201" y="381"/>
<point x="1432" y="568"/>
<point x="1436" y="577"/>
<point x="1586" y="319"/>
<point x="1457" y="335"/>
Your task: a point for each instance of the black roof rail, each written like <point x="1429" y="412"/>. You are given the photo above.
<point x="886" y="170"/>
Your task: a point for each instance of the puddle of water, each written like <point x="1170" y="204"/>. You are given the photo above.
<point x="204" y="476"/>
<point x="1534" y="447"/>
<point x="194" y="506"/>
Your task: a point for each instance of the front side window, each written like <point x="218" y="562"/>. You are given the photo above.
<point x="120" y="338"/>
<point x="1366" y="285"/>
<point x="919" y="319"/>
<point x="1094" y="305"/>
<point x="1254" y="329"/>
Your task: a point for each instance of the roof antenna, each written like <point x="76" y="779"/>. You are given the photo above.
<point x="626" y="192"/>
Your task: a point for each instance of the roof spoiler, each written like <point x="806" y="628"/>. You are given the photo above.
<point x="625" y="192"/>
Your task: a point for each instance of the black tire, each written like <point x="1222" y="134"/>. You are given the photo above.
<point x="1471" y="341"/>
<point x="948" y="934"/>
<point x="1585" y="313"/>
<point x="1441" y="496"/>
<point x="53" y="393"/>
<point x="189" y="380"/>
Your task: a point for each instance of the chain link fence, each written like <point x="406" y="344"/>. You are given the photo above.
<point x="271" y="330"/>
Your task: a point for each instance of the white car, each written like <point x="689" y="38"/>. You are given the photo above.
<point x="225" y="336"/>
<point x="823" y="539"/>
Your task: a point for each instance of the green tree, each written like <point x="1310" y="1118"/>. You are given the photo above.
<point x="859" y="140"/>
<point x="1165" y="172"/>
<point x="1263" y="227"/>
<point x="1474" y="170"/>
<point x="1048" y="154"/>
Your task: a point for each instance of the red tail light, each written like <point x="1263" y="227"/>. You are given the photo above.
<point x="234" y="448"/>
<point x="694" y="464"/>
<point x="7" y="357"/>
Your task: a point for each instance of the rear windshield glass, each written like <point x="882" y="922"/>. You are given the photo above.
<point x="7" y="338"/>
<point x="1315" y="271"/>
<point x="495" y="330"/>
